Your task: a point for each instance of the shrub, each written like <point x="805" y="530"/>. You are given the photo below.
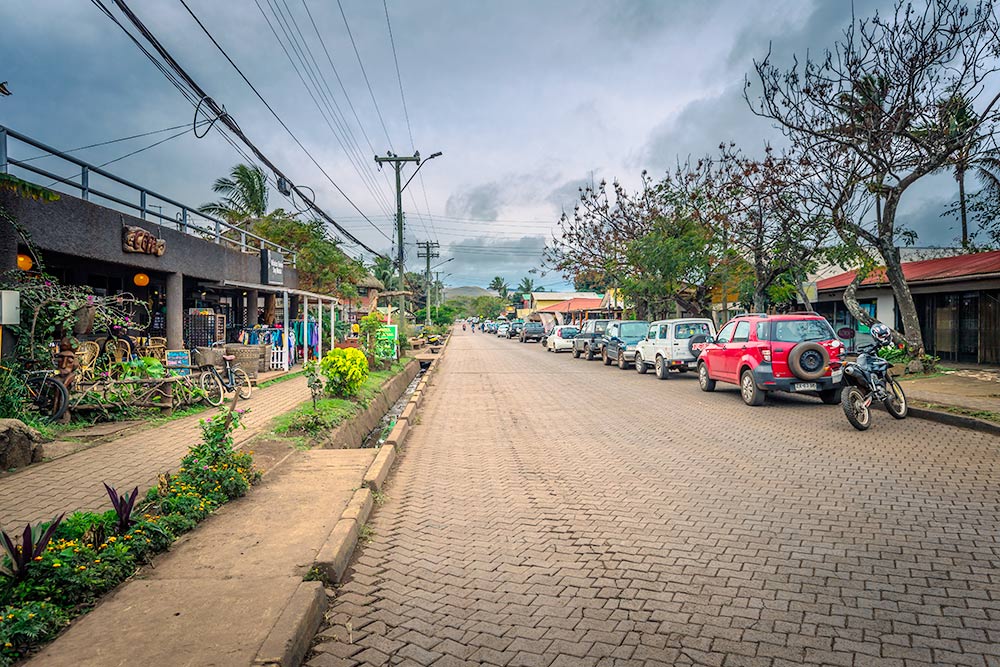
<point x="345" y="370"/>
<point x="22" y="626"/>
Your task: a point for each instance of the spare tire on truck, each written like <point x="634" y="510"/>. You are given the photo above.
<point x="808" y="361"/>
<point x="699" y="340"/>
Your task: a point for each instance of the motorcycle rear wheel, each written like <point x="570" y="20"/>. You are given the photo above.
<point x="895" y="402"/>
<point x="859" y="414"/>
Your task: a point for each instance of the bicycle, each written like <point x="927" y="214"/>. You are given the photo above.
<point x="214" y="383"/>
<point x="46" y="394"/>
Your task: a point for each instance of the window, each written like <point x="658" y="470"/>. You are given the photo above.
<point x="795" y="331"/>
<point x="726" y="333"/>
<point x="664" y="331"/>
<point x="651" y="334"/>
<point x="762" y="331"/>
<point x="742" y="332"/>
<point x="632" y="329"/>
<point x="600" y="327"/>
<point x="612" y="330"/>
<point x="687" y="330"/>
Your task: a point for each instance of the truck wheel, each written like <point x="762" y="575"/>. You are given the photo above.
<point x="640" y="365"/>
<point x="751" y="393"/>
<point x="661" y="369"/>
<point x="576" y="353"/>
<point x="706" y="383"/>
<point x="622" y="364"/>
<point x="604" y="356"/>
<point x="590" y="352"/>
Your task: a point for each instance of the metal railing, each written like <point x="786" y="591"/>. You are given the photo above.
<point x="186" y="219"/>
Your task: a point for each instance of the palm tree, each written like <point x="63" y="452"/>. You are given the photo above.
<point x="384" y="270"/>
<point x="500" y="286"/>
<point x="244" y="195"/>
<point x="528" y="285"/>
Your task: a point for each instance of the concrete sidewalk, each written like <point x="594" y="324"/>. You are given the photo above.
<point x="73" y="482"/>
<point x="972" y="389"/>
<point x="231" y="592"/>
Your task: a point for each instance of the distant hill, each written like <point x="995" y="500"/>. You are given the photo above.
<point x="470" y="290"/>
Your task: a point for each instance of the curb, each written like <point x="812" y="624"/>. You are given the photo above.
<point x="335" y="555"/>
<point x="961" y="421"/>
<point x="288" y="641"/>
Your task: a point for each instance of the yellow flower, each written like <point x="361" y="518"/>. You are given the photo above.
<point x="38" y="558"/>
<point x="57" y="564"/>
<point x="31" y="615"/>
<point x="97" y="560"/>
<point x="82" y="568"/>
<point x="8" y="645"/>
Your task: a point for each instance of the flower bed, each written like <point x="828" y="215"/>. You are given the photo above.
<point x="61" y="569"/>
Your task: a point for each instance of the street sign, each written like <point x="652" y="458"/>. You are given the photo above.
<point x="387" y="342"/>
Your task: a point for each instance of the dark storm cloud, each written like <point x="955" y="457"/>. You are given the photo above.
<point x="482" y="201"/>
<point x="567" y="195"/>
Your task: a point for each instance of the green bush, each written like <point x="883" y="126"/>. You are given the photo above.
<point x="345" y="370"/>
<point x="25" y="625"/>
<point x="85" y="558"/>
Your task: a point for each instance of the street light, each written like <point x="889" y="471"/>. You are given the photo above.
<point x="443" y="263"/>
<point x="420" y="165"/>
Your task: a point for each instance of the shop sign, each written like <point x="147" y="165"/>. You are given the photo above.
<point x="139" y="240"/>
<point x="272" y="267"/>
<point x="386" y="340"/>
<point x="179" y="361"/>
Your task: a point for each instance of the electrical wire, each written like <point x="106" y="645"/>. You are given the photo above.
<point x="230" y="122"/>
<point x="108" y="142"/>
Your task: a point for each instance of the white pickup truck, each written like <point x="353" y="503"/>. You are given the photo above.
<point x="673" y="344"/>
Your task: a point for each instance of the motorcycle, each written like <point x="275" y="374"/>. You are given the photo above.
<point x="866" y="380"/>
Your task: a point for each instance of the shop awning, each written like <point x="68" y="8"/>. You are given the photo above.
<point x="278" y="289"/>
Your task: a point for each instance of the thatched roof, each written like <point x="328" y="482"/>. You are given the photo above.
<point x="371" y="281"/>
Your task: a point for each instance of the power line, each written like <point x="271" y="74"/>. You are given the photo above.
<point x="365" y="74"/>
<point x="406" y="114"/>
<point x="111" y="141"/>
<point x="303" y="52"/>
<point x="229" y="122"/>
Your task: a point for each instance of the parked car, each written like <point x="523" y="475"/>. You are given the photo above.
<point x="515" y="329"/>
<point x="588" y="341"/>
<point x="502" y="330"/>
<point x="673" y="345"/>
<point x="531" y="331"/>
<point x="619" y="341"/>
<point x="561" y="338"/>
<point x="798" y="352"/>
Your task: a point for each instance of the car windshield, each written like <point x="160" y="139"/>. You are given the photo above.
<point x="601" y="327"/>
<point x="795" y="331"/>
<point x="570" y="331"/>
<point x="687" y="330"/>
<point x="633" y="329"/>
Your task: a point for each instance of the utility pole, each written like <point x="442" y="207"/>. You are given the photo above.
<point x="397" y="163"/>
<point x="429" y="250"/>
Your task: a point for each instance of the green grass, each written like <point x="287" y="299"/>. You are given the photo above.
<point x="329" y="412"/>
<point x="985" y="415"/>
<point x="280" y="378"/>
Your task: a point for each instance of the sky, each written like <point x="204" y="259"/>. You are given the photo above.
<point x="526" y="99"/>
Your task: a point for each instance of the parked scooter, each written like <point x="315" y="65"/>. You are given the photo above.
<point x="868" y="379"/>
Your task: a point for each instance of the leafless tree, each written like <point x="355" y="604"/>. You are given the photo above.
<point x="868" y="115"/>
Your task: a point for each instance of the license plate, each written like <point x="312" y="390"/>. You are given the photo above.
<point x="805" y="386"/>
<point x="692" y="364"/>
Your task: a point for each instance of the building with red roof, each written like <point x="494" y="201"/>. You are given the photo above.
<point x="957" y="299"/>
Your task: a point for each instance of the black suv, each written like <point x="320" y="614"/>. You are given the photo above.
<point x="588" y="341"/>
<point x="532" y="331"/>
<point x="515" y="329"/>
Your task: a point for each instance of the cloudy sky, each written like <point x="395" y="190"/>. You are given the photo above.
<point x="527" y="100"/>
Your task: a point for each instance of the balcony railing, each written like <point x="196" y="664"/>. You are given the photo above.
<point x="132" y="197"/>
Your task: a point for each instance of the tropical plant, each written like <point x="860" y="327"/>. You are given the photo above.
<point x="384" y="270"/>
<point x="500" y="286"/>
<point x="527" y="285"/>
<point x="313" y="381"/>
<point x="26" y="625"/>
<point x="124" y="505"/>
<point x="19" y="557"/>
<point x="244" y="195"/>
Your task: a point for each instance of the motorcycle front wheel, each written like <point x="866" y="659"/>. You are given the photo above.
<point x="895" y="402"/>
<point x="859" y="414"/>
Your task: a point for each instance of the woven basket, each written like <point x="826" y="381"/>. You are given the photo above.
<point x="246" y="358"/>
<point x="264" y="360"/>
<point x="207" y="355"/>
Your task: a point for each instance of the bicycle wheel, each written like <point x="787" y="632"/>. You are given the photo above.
<point x="48" y="396"/>
<point x="212" y="386"/>
<point x="241" y="381"/>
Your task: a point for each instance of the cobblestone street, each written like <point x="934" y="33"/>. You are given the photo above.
<point x="553" y="511"/>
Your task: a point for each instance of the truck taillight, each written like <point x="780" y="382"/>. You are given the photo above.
<point x="766" y="353"/>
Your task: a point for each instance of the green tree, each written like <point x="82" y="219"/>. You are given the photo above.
<point x="385" y="271"/>
<point x="500" y="286"/>
<point x="528" y="285"/>
<point x="244" y="195"/>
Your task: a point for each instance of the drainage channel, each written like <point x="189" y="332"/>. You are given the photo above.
<point x="381" y="432"/>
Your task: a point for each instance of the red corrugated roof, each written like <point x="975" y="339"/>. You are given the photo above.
<point x="579" y="303"/>
<point x="927" y="270"/>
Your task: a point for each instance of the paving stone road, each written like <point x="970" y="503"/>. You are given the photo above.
<point x="552" y="511"/>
